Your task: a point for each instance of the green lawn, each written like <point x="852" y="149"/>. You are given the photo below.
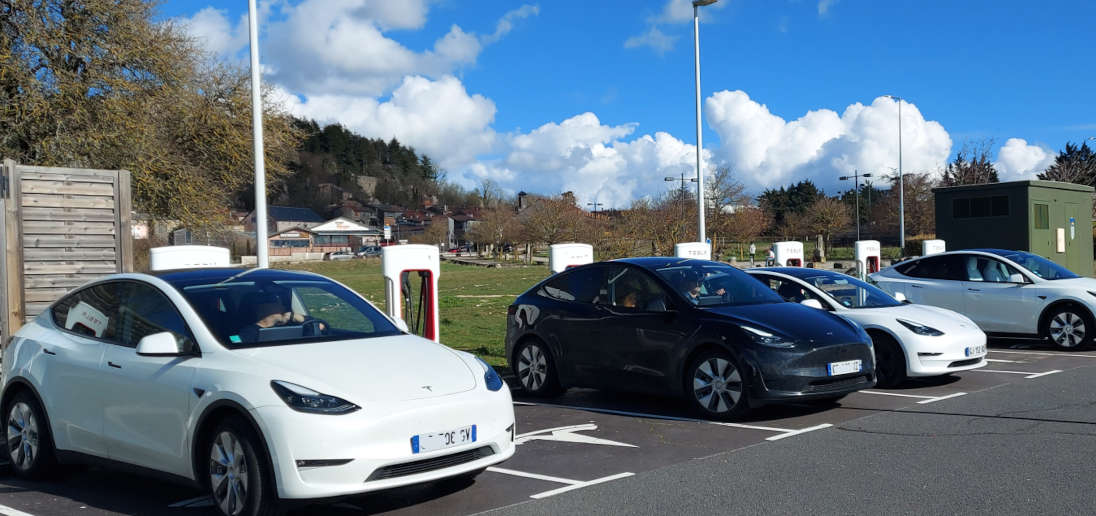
<point x="472" y="300"/>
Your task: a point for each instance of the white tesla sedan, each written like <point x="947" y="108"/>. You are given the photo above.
<point x="1008" y="293"/>
<point x="258" y="385"/>
<point x="909" y="339"/>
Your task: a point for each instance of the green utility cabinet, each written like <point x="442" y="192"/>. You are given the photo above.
<point x="1048" y="218"/>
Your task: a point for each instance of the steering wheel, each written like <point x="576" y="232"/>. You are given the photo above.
<point x="312" y="326"/>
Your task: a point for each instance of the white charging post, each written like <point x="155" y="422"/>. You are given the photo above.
<point x="402" y="265"/>
<point x="187" y="257"/>
<point x="932" y="247"/>
<point x="867" y="256"/>
<point x="564" y="256"/>
<point x="695" y="250"/>
<point x="788" y="254"/>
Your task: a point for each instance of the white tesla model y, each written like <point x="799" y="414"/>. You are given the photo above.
<point x="258" y="385"/>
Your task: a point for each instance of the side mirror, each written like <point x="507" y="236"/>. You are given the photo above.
<point x="401" y="324"/>
<point x="813" y="303"/>
<point x="161" y="344"/>
<point x="901" y="298"/>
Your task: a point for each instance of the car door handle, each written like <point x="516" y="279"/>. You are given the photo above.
<point x="974" y="289"/>
<point x="916" y="286"/>
<point x="48" y="352"/>
<point x="112" y="364"/>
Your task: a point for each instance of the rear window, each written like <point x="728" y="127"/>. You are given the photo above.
<point x="579" y="285"/>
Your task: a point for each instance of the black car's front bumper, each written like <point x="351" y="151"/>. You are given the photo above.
<point x="786" y="375"/>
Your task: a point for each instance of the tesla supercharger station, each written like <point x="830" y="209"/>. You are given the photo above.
<point x="932" y="247"/>
<point x="411" y="287"/>
<point x="187" y="257"/>
<point x="564" y="256"/>
<point x="695" y="250"/>
<point x="788" y="254"/>
<point x="866" y="254"/>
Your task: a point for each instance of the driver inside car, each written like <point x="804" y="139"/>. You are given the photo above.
<point x="268" y="311"/>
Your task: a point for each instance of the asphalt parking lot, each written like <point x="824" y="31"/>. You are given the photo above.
<point x="1027" y="416"/>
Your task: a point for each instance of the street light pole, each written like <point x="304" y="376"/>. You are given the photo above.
<point x="261" y="251"/>
<point x="681" y="191"/>
<point x="856" y="178"/>
<point x="699" y="138"/>
<point x="595" y="204"/>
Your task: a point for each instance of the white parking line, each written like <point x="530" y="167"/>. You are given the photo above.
<point x="554" y="492"/>
<point x="1028" y="373"/>
<point x="1005" y="361"/>
<point x="1040" y="353"/>
<point x="8" y="511"/>
<point x="797" y="432"/>
<point x="791" y="431"/>
<point x="536" y="476"/>
<point x="924" y="399"/>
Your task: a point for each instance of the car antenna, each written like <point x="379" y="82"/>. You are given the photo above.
<point x="235" y="276"/>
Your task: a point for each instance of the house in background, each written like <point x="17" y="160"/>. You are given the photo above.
<point x="282" y="218"/>
<point x="334" y="235"/>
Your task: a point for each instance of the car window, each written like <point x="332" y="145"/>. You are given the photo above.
<point x="92" y="311"/>
<point x="1039" y="266"/>
<point x="266" y="313"/>
<point x="851" y="292"/>
<point x="948" y="267"/>
<point x="147" y="311"/>
<point x="791" y="291"/>
<point x="579" y="285"/>
<point x="982" y="268"/>
<point x="631" y="289"/>
<point x="706" y="283"/>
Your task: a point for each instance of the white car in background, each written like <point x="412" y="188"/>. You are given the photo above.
<point x="257" y="385"/>
<point x="1008" y="293"/>
<point x="909" y="339"/>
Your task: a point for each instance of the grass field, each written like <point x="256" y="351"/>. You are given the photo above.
<point x="472" y="300"/>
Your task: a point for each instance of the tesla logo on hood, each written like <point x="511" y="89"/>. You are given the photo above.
<point x="427" y="387"/>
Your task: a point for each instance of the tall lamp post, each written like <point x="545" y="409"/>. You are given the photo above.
<point x="901" y="181"/>
<point x="681" y="192"/>
<point x="699" y="140"/>
<point x="856" y="178"/>
<point x="595" y="204"/>
<point x="261" y="255"/>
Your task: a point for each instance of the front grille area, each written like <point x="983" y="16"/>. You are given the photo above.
<point x="838" y="383"/>
<point x="431" y="464"/>
<point x="961" y="363"/>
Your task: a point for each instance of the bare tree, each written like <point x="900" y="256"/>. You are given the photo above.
<point x="552" y="220"/>
<point x="828" y="216"/>
<point x="971" y="166"/>
<point x="489" y="194"/>
<point x="496" y="228"/>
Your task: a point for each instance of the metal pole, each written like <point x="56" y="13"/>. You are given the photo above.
<point x="857" y="176"/>
<point x="901" y="188"/>
<point x="699" y="140"/>
<point x="262" y="257"/>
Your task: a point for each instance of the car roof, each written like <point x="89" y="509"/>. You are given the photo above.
<point x="659" y="262"/>
<point x="798" y="272"/>
<point x="184" y="277"/>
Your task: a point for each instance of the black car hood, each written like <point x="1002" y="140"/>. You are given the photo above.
<point x="798" y="322"/>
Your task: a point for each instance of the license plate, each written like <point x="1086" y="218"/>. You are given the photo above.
<point x="440" y="440"/>
<point x="976" y="351"/>
<point x="846" y="367"/>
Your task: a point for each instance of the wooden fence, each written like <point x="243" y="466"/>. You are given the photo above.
<point x="62" y="227"/>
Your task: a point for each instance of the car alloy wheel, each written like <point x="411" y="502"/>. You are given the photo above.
<point x="23" y="437"/>
<point x="532" y="367"/>
<point x="228" y="473"/>
<point x="1067" y="329"/>
<point x="717" y="385"/>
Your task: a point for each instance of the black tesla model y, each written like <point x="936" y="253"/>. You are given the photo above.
<point x="696" y="328"/>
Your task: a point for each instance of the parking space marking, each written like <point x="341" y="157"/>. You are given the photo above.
<point x="924" y="399"/>
<point x="536" y="476"/>
<point x="1006" y="361"/>
<point x="1028" y="373"/>
<point x="8" y="511"/>
<point x="554" y="492"/>
<point x="1041" y="353"/>
<point x="797" y="432"/>
<point x="568" y="434"/>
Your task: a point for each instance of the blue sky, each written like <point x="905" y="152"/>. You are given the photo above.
<point x="597" y="97"/>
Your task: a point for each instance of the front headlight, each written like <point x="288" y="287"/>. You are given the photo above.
<point x="303" y="399"/>
<point x="490" y="377"/>
<point x="920" y="329"/>
<point x="767" y="339"/>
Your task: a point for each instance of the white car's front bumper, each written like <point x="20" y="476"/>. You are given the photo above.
<point x="379" y="436"/>
<point x="932" y="356"/>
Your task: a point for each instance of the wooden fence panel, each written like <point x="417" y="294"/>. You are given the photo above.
<point x="63" y="228"/>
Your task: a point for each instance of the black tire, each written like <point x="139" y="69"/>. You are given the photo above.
<point x="28" y="442"/>
<point x="717" y="386"/>
<point x="890" y="361"/>
<point x="255" y="493"/>
<point x="535" y="369"/>
<point x="1069" y="327"/>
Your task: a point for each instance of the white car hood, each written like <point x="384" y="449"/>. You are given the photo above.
<point x="402" y="367"/>
<point x="942" y="319"/>
<point x="1074" y="283"/>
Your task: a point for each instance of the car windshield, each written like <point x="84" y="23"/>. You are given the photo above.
<point x="1039" y="266"/>
<point x="851" y="292"/>
<point x="243" y="314"/>
<point x="716" y="284"/>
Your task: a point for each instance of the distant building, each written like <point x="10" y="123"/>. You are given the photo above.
<point x="282" y="218"/>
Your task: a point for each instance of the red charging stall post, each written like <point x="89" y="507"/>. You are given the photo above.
<point x="867" y="256"/>
<point x="411" y="287"/>
<point x="788" y="254"/>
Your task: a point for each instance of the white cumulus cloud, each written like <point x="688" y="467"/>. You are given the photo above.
<point x="676" y="11"/>
<point x="212" y="29"/>
<point x="1017" y="160"/>
<point x="768" y="151"/>
<point x="654" y="38"/>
